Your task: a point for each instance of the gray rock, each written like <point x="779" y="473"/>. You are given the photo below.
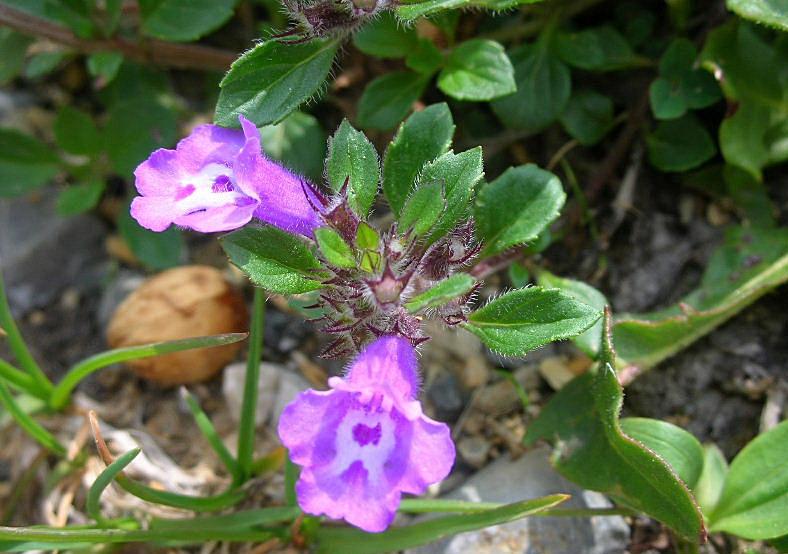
<point x="446" y="397"/>
<point x="532" y="476"/>
<point x="42" y="253"/>
<point x="290" y="384"/>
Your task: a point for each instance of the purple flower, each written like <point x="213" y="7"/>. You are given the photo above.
<point x="217" y="179"/>
<point x="366" y="441"/>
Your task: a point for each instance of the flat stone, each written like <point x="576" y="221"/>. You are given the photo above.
<point x="531" y="476"/>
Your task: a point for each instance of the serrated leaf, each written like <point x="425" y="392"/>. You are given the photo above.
<point x="458" y="174"/>
<point x="517" y="207"/>
<point x="680" y="449"/>
<point x="588" y="116"/>
<point x="590" y="339"/>
<point x="334" y="248"/>
<point x="413" y="10"/>
<point x="424" y="136"/>
<point x="582" y="422"/>
<point x="441" y="293"/>
<point x="352" y="156"/>
<point x="680" y="144"/>
<point x="25" y="163"/>
<point x="754" y="500"/>
<point x="543" y="89"/>
<point x="75" y="132"/>
<point x="184" y="20"/>
<point x="385" y="37"/>
<point x="712" y="478"/>
<point x="273" y="259"/>
<point x="273" y="79"/>
<point x="773" y="13"/>
<point x="477" y="69"/>
<point x="353" y="541"/>
<point x="389" y="98"/>
<point x="423" y="208"/>
<point x="524" y="319"/>
<point x="750" y="263"/>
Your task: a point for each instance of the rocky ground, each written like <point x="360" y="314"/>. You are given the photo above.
<point x="64" y="282"/>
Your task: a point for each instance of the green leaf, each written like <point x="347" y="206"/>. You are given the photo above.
<point x="154" y="250"/>
<point x="368" y="242"/>
<point x="751" y="67"/>
<point x="273" y="259"/>
<point x="384" y="37"/>
<point x="477" y="69"/>
<point x="134" y="129"/>
<point x="589" y="340"/>
<point x="458" y="174"/>
<point x="413" y="10"/>
<point x="76" y="133"/>
<point x="743" y="137"/>
<point x="77" y="199"/>
<point x="334" y="248"/>
<point x="441" y="293"/>
<point x="596" y="49"/>
<point x="582" y="422"/>
<point x="709" y="486"/>
<point x="423" y="208"/>
<point x="299" y="142"/>
<point x="754" y="501"/>
<point x="425" y="58"/>
<point x="543" y="89"/>
<point x="43" y="63"/>
<point x="750" y="263"/>
<point x="354" y="541"/>
<point x="389" y="98"/>
<point x="588" y="116"/>
<point x="88" y="366"/>
<point x="14" y="47"/>
<point x="104" y="65"/>
<point x="680" y="144"/>
<point x="769" y="12"/>
<point x="184" y="20"/>
<point x="25" y="163"/>
<point x="352" y="157"/>
<point x="273" y="79"/>
<point x="680" y="85"/>
<point x="524" y="319"/>
<point x="680" y="449"/>
<point x="424" y="136"/>
<point x="93" y="503"/>
<point x="517" y="207"/>
<point x="30" y="425"/>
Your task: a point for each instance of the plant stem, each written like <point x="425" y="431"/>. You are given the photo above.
<point x="17" y="343"/>
<point x="30" y="425"/>
<point x="246" y="427"/>
<point x="158" y="52"/>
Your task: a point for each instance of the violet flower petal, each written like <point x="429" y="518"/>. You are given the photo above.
<point x="366" y="441"/>
<point x="282" y="194"/>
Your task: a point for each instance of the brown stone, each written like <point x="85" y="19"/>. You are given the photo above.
<point x="185" y="302"/>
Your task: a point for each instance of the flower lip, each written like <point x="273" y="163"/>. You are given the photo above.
<point x="366" y="441"/>
<point x="218" y="179"/>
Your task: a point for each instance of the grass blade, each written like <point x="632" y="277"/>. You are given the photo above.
<point x="249" y="404"/>
<point x="103" y="481"/>
<point x="210" y="434"/>
<point x="31" y="426"/>
<point x="63" y="389"/>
